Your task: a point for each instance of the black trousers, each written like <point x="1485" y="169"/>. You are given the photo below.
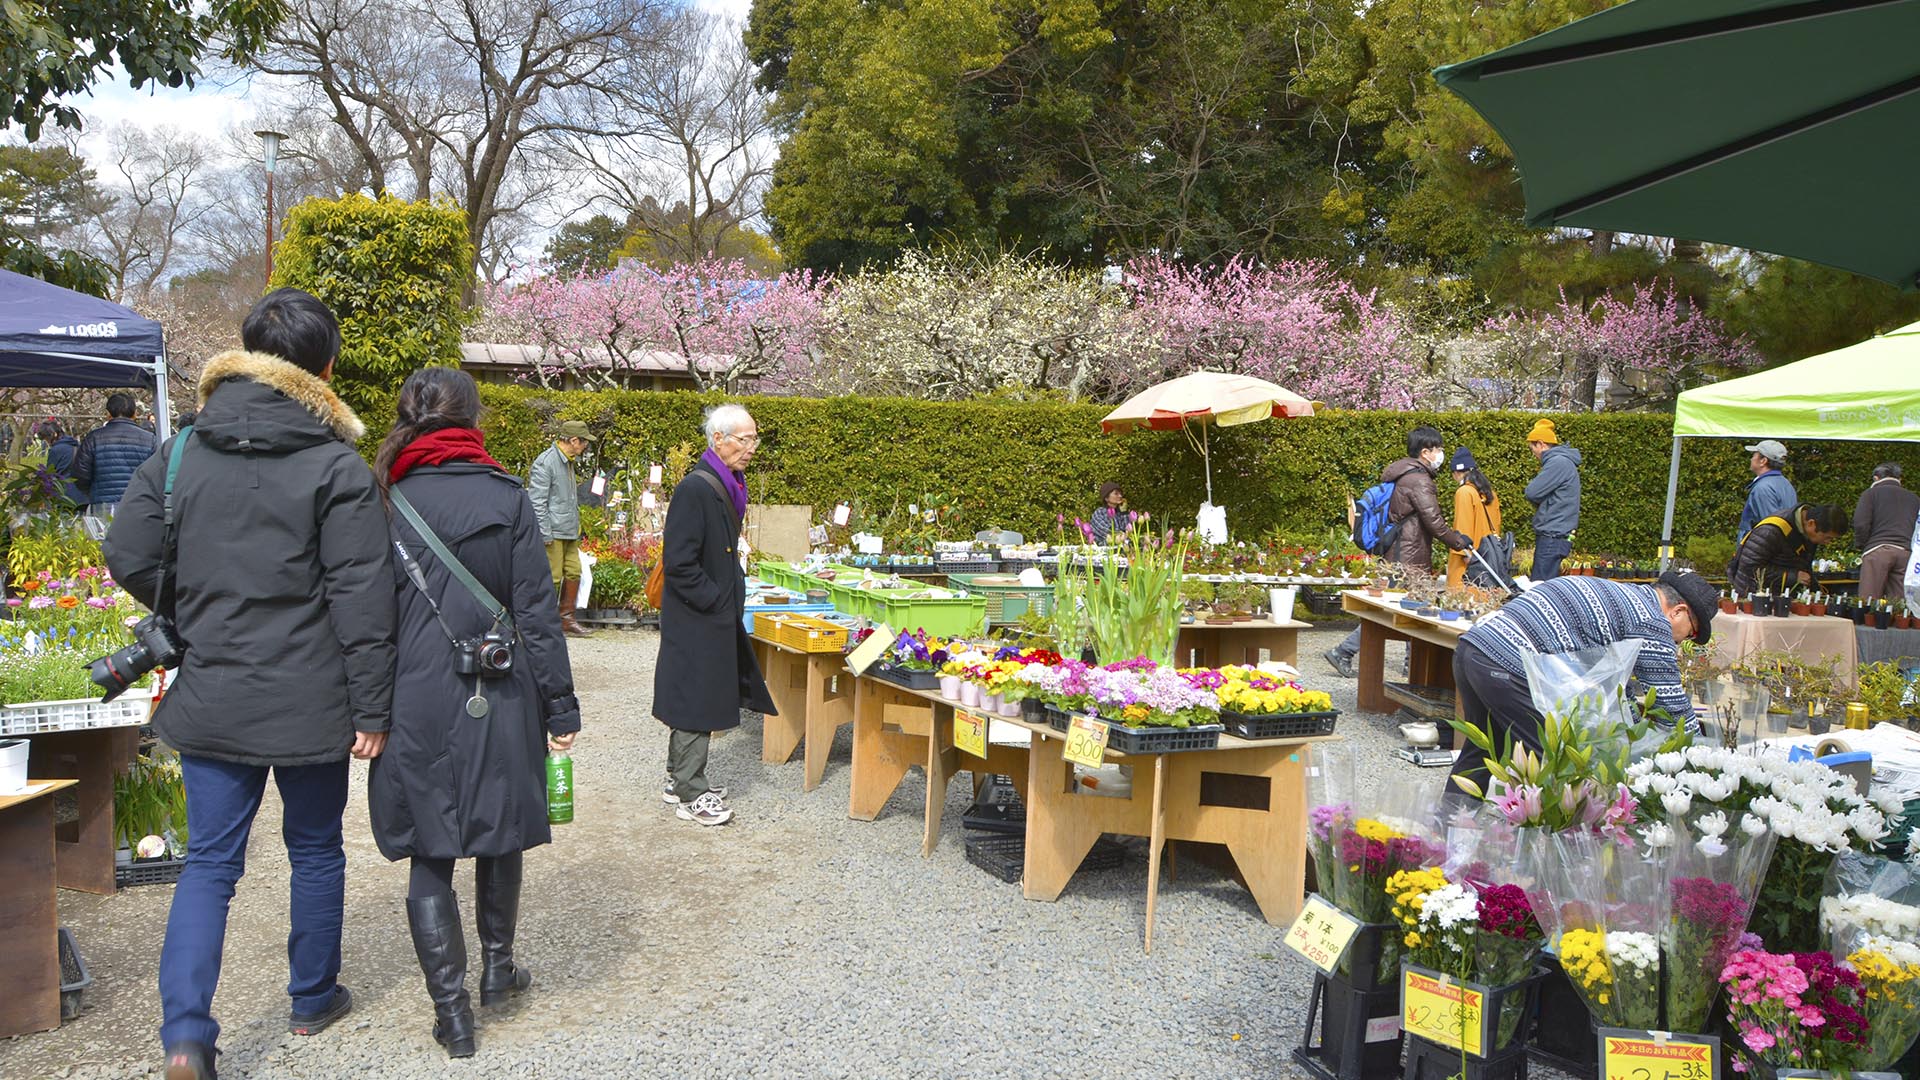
<point x="1496" y="701"/>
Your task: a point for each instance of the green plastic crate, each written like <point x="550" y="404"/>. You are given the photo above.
<point x="959" y="615"/>
<point x="781" y="574"/>
<point x="1007" y="599"/>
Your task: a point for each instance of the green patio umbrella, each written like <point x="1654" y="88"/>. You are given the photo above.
<point x="1779" y="125"/>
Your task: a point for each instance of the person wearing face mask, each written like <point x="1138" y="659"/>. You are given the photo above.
<point x="1415" y="508"/>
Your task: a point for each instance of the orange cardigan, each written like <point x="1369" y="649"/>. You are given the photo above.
<point x="1476" y="518"/>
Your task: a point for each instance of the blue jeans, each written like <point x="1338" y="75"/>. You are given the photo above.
<point x="1548" y="551"/>
<point x="222" y="799"/>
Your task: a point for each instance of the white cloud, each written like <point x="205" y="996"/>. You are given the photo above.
<point x="208" y="109"/>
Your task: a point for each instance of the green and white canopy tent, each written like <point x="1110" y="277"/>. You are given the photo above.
<point x="1869" y="391"/>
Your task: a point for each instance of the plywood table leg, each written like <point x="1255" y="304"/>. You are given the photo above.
<point x="83" y="849"/>
<point x="878" y="765"/>
<point x="826" y="709"/>
<point x="30" y="962"/>
<point x="1373" y="668"/>
<point x="1155" y="840"/>
<point x="1059" y="835"/>
<point x="786" y="677"/>
<point x="1269" y="848"/>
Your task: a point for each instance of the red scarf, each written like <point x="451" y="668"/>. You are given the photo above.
<point x="440" y="447"/>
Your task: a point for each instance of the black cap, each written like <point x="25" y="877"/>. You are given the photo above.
<point x="1700" y="596"/>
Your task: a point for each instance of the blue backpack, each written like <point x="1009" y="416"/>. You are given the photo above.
<point x="1372" y="532"/>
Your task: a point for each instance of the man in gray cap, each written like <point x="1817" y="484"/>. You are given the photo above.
<point x="1769" y="493"/>
<point x="556" y="503"/>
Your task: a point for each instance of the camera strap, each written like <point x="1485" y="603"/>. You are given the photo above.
<point x="168" y="518"/>
<point x="460" y="573"/>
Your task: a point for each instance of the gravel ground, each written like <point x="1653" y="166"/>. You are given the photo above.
<point x="794" y="942"/>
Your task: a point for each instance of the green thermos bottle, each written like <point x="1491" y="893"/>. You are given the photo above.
<point x="559" y="788"/>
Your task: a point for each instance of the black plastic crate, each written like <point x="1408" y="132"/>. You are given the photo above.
<point x="1014" y="566"/>
<point x="1321" y="601"/>
<point x="899" y="676"/>
<point x="1431" y="1061"/>
<point x="1162" y="740"/>
<point x="1280" y="725"/>
<point x="1033" y="710"/>
<point x="965" y="566"/>
<point x="1359" y="1032"/>
<point x="148" y="872"/>
<point x="1563" y="1034"/>
<point x="74" y="977"/>
<point x="997" y="808"/>
<point x="1058" y="719"/>
<point x="1005" y="857"/>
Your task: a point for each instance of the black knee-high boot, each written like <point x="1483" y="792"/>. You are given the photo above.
<point x="441" y="944"/>
<point x="497" y="883"/>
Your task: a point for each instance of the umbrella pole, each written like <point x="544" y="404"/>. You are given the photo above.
<point x="1206" y="461"/>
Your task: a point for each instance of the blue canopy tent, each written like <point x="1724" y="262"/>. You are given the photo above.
<point x="50" y="336"/>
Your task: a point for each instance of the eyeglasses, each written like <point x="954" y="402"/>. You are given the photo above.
<point x="745" y="440"/>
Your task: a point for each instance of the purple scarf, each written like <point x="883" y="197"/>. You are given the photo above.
<point x="736" y="484"/>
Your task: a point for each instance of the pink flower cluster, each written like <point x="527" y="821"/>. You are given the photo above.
<point x="1504" y="911"/>
<point x="1795" y="1009"/>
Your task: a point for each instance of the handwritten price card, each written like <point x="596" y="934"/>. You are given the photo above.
<point x="1442" y="1011"/>
<point x="1086" y="742"/>
<point x="1321" y="933"/>
<point x="1657" y="1055"/>
<point x="970" y="733"/>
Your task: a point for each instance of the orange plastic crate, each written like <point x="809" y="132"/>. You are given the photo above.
<point x="805" y="633"/>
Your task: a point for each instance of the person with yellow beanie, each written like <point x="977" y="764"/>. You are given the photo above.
<point x="1555" y="495"/>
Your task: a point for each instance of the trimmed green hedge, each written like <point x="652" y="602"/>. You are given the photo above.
<point x="1018" y="464"/>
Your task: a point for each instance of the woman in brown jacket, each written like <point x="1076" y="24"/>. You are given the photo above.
<point x="1476" y="510"/>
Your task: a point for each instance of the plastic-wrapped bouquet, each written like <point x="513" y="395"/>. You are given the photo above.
<point x="1795" y="1010"/>
<point x="1605" y="907"/>
<point x="1712" y="879"/>
<point x="1871" y="916"/>
<point x="1375" y="840"/>
<point x="1812" y="813"/>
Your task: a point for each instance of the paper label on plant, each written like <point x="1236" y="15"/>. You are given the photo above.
<point x="1658" y="1055"/>
<point x="647" y="501"/>
<point x="1086" y="742"/>
<point x="970" y="733"/>
<point x="842" y="514"/>
<point x="655" y="474"/>
<point x="1321" y="933"/>
<point x="1444" y="1012"/>
<point x="872" y="649"/>
<point x="599" y="486"/>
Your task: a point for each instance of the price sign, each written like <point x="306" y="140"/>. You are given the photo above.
<point x="647" y="501"/>
<point x="1322" y="933"/>
<point x="1086" y="742"/>
<point x="876" y="646"/>
<point x="1658" y="1055"/>
<point x="599" y="486"/>
<point x="1443" y="1011"/>
<point x="841" y="514"/>
<point x="970" y="733"/>
<point x="655" y="475"/>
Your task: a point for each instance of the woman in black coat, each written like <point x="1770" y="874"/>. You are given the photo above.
<point x="453" y="784"/>
<point x="706" y="672"/>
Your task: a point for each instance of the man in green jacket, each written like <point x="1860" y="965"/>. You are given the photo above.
<point x="556" y="503"/>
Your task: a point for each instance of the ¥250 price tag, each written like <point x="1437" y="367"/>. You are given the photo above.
<point x="1658" y="1055"/>
<point x="1086" y="742"/>
<point x="1322" y="933"/>
<point x="970" y="733"/>
<point x="1443" y="1011"/>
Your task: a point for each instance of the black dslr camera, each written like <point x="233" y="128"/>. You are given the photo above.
<point x="155" y="645"/>
<point x="489" y="656"/>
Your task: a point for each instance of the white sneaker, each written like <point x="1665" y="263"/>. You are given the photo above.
<point x="707" y="810"/>
<point x="667" y="796"/>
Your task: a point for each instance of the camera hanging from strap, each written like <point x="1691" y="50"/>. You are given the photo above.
<point x="169" y="534"/>
<point x="477" y="705"/>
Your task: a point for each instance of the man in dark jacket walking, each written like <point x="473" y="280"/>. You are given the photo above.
<point x="61" y="450"/>
<point x="1777" y="554"/>
<point x="1883" y="522"/>
<point x="1555" y="495"/>
<point x="706" y="672"/>
<point x="1415" y="509"/>
<point x="109" y="455"/>
<point x="282" y="591"/>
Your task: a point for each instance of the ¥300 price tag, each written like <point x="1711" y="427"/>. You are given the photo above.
<point x="1322" y="933"/>
<point x="1086" y="742"/>
<point x="970" y="733"/>
<point x="1443" y="1011"/>
<point x="1657" y="1055"/>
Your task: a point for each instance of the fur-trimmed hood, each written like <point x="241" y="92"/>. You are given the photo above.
<point x="272" y="373"/>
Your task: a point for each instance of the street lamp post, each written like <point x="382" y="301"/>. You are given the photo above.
<point x="272" y="140"/>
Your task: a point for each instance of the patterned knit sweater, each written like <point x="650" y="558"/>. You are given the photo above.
<point x="1568" y="614"/>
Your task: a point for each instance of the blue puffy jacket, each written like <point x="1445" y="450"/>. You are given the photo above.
<point x="108" y="457"/>
<point x="1770" y="494"/>
<point x="60" y="455"/>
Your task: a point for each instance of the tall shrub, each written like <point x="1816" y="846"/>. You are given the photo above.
<point x="394" y="274"/>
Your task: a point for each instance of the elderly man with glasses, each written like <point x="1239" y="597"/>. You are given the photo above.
<point x="706" y="672"/>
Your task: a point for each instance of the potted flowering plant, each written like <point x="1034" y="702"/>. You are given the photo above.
<point x="914" y="660"/>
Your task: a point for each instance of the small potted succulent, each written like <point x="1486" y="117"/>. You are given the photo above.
<point x="1800" y="604"/>
<point x="1727" y="604"/>
<point x="1746" y="604"/>
<point x="1902" y="620"/>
